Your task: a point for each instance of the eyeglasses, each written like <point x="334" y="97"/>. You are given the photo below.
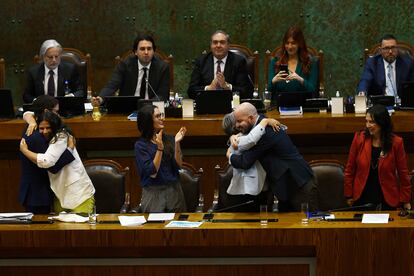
<point x="160" y="116"/>
<point x="389" y="48"/>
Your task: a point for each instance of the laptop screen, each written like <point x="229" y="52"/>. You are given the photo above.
<point x="71" y="106"/>
<point x="122" y="104"/>
<point x="293" y="98"/>
<point x="213" y="101"/>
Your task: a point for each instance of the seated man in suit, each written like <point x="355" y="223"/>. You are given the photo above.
<point x="385" y="74"/>
<point x="35" y="193"/>
<point x="53" y="76"/>
<point x="220" y="69"/>
<point x="142" y="74"/>
<point x="288" y="175"/>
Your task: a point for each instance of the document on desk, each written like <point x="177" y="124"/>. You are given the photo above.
<point x="131" y="220"/>
<point x="160" y="216"/>
<point x="375" y="218"/>
<point x="184" y="224"/>
<point x="16" y="215"/>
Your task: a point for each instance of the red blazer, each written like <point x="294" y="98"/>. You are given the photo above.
<point x="392" y="170"/>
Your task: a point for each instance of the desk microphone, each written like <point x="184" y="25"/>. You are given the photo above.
<point x="152" y="89"/>
<point x="234" y="206"/>
<point x="353" y="208"/>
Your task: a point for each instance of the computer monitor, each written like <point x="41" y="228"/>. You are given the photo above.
<point x="407" y="95"/>
<point x="6" y="104"/>
<point x="213" y="101"/>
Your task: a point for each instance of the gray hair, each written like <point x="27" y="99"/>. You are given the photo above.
<point x="228" y="124"/>
<point x="221" y="32"/>
<point x="47" y="44"/>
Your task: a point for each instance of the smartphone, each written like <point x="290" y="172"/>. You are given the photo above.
<point x="284" y="67"/>
<point x="183" y="217"/>
<point x="208" y="216"/>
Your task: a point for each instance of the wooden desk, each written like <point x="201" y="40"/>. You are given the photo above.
<point x="318" y="136"/>
<point x="287" y="246"/>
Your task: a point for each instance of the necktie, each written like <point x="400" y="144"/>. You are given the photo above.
<point x="218" y="66"/>
<point x="391" y="80"/>
<point x="51" y="84"/>
<point x="143" y="88"/>
<point x="218" y="71"/>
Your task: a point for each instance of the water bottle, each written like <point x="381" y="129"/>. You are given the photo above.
<point x="66" y="88"/>
<point x="215" y="202"/>
<point x="275" y="206"/>
<point x="255" y="93"/>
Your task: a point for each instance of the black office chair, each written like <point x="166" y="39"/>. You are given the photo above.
<point x="109" y="179"/>
<point x="190" y="180"/>
<point x="328" y="192"/>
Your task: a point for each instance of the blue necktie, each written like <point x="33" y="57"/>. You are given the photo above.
<point x="391" y="80"/>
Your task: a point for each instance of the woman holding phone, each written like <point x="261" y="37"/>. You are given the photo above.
<point x="293" y="69"/>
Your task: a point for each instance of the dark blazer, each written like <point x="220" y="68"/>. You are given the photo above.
<point x="235" y="72"/>
<point x="373" y="77"/>
<point x="125" y="78"/>
<point x="392" y="170"/>
<point x="280" y="159"/>
<point x="36" y="77"/>
<point x="34" y="181"/>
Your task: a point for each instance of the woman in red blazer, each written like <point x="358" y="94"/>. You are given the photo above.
<point x="376" y="171"/>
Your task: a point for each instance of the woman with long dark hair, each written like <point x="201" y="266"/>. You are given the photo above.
<point x="73" y="189"/>
<point x="158" y="157"/>
<point x="293" y="69"/>
<point x="376" y="172"/>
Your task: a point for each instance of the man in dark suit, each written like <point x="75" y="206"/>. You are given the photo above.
<point x="132" y="74"/>
<point x="220" y="69"/>
<point x="52" y="77"/>
<point x="385" y="73"/>
<point x="35" y="193"/>
<point x="288" y="175"/>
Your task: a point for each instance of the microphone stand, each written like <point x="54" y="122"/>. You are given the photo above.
<point x="152" y="89"/>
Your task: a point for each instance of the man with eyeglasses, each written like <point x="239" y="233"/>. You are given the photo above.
<point x="385" y="73"/>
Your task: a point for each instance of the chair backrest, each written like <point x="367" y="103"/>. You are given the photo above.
<point x="404" y="48"/>
<point x="2" y="73"/>
<point x="190" y="180"/>
<point x="169" y="59"/>
<point x="252" y="58"/>
<point x="83" y="64"/>
<point x="312" y="51"/>
<point x="109" y="179"/>
<point x="329" y="184"/>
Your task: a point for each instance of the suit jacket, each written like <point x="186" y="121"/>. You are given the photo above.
<point x="34" y="181"/>
<point x="235" y="72"/>
<point x="373" y="77"/>
<point x="66" y="72"/>
<point x="280" y="159"/>
<point x="392" y="170"/>
<point x="125" y="78"/>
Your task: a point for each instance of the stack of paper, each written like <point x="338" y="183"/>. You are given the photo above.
<point x="16" y="217"/>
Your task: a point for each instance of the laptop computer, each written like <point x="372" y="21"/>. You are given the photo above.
<point x="293" y="98"/>
<point x="213" y="101"/>
<point x="71" y="106"/>
<point x="6" y="104"/>
<point x="121" y="104"/>
<point x="384" y="100"/>
<point x="407" y="96"/>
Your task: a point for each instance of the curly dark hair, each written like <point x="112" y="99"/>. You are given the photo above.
<point x="56" y="124"/>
